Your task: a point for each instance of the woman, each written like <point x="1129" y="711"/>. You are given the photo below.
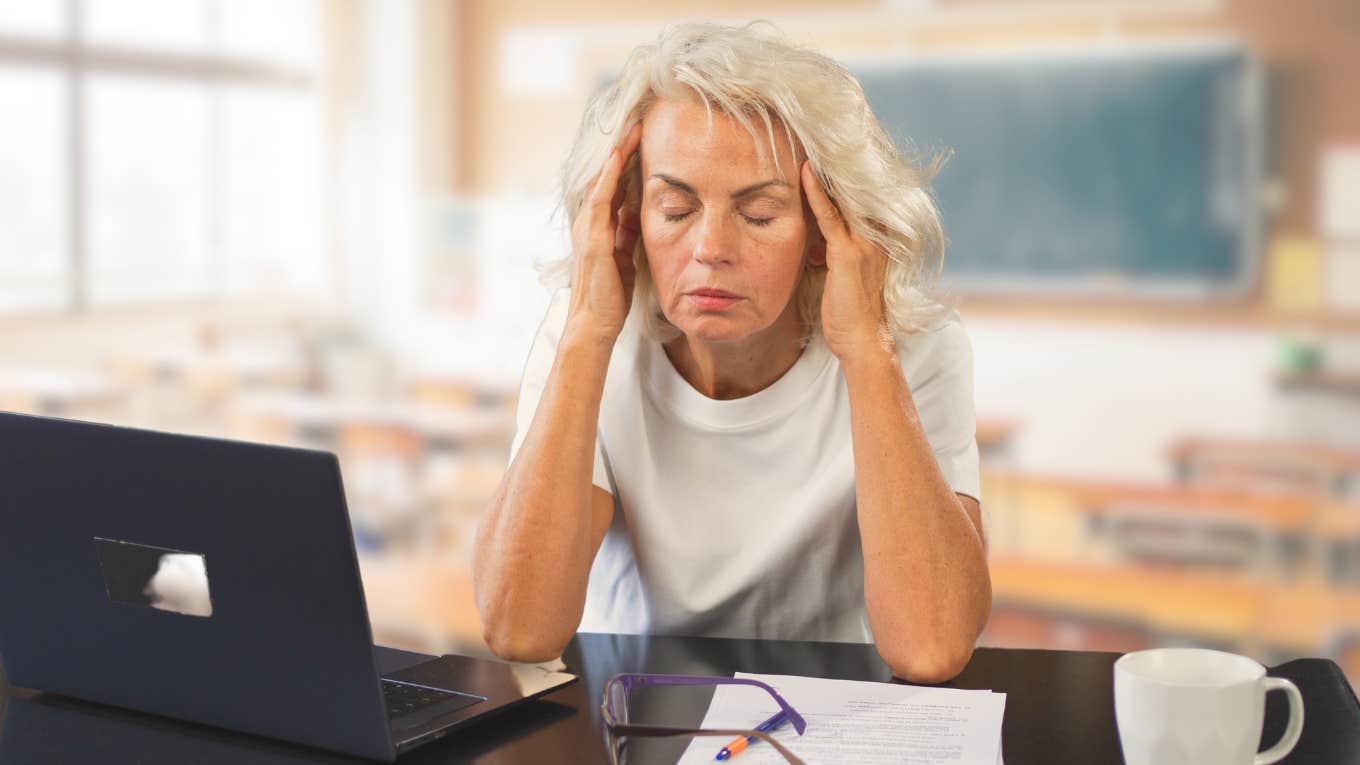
<point x="744" y="419"/>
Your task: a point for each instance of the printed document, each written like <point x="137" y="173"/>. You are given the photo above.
<point x="860" y="722"/>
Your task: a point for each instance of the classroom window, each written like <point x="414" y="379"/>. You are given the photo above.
<point x="158" y="150"/>
<point x="34" y="269"/>
<point x="149" y="25"/>
<point x="149" y="196"/>
<point x="40" y="19"/>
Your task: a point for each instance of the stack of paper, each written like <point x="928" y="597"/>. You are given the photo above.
<point x="860" y="722"/>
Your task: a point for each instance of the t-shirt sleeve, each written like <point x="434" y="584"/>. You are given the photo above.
<point x="541" y="356"/>
<point x="941" y="379"/>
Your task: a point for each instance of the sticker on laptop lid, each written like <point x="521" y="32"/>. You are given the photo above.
<point x="155" y="577"/>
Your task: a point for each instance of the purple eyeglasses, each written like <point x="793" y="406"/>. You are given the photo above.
<point x="614" y="713"/>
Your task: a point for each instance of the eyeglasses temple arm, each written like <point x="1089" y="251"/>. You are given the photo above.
<point x="631" y="681"/>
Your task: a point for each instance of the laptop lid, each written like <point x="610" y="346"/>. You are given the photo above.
<point x="284" y="648"/>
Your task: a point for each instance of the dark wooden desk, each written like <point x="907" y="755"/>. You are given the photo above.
<point x="1059" y="710"/>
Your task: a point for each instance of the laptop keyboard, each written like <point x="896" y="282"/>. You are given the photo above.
<point x="405" y="698"/>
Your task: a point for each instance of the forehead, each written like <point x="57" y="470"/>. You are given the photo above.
<point x="678" y="139"/>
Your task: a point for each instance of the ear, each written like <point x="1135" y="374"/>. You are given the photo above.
<point x="816" y="247"/>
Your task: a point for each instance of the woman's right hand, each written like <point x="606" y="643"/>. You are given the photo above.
<point x="602" y="240"/>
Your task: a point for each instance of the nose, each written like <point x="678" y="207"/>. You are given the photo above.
<point x="712" y="239"/>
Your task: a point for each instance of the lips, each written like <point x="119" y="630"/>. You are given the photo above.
<point x="707" y="299"/>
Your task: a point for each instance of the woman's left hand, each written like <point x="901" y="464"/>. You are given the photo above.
<point x="854" y="319"/>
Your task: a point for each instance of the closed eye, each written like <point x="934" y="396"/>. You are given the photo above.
<point x="677" y="217"/>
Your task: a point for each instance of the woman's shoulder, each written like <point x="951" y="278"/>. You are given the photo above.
<point x="937" y="324"/>
<point x="549" y="334"/>
<point x="940" y="341"/>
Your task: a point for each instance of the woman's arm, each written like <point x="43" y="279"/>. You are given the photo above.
<point x="926" y="584"/>
<point x="536" y="541"/>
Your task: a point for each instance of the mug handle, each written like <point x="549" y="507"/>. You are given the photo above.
<point x="1295" y="726"/>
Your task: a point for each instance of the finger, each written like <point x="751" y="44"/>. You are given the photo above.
<point x="603" y="191"/>
<point x="632" y="139"/>
<point x="629" y="146"/>
<point x="599" y="182"/>
<point x="591" y="185"/>
<point x="829" y="218"/>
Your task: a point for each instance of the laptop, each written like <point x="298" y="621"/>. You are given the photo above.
<point x="212" y="581"/>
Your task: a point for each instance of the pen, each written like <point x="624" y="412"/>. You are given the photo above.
<point x="741" y="742"/>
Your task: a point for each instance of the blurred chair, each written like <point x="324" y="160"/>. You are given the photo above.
<point x="1267" y="465"/>
<point x="443" y="392"/>
<point x="422" y="602"/>
<point x="13" y="401"/>
<point x="150" y="392"/>
<point x="383" y="470"/>
<point x="1000" y="501"/>
<point x="1030" y="627"/>
<point x="1126" y="604"/>
<point x="1203" y="527"/>
<point x="1344" y="649"/>
<point x="1328" y="474"/>
<point x="1060" y="518"/>
<point x="460" y="393"/>
<point x="261" y="427"/>
<point x="995" y="438"/>
<point x="61" y="392"/>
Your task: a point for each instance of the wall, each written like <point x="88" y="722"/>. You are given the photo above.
<point x="1106" y="400"/>
<point x="507" y="141"/>
<point x="1094" y="398"/>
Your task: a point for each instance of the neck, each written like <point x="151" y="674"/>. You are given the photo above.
<point x="738" y="368"/>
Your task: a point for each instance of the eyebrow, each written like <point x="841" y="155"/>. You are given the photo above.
<point x="739" y="193"/>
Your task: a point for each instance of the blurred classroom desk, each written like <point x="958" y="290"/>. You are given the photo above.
<point x="422" y="601"/>
<point x="1064" y="518"/>
<point x="413" y="471"/>
<point x="1344" y="383"/>
<point x="329" y="418"/>
<point x="1330" y="470"/>
<point x="1207" y="606"/>
<point x="995" y="436"/>
<point x="1118" y="565"/>
<point x="1239" y="612"/>
<point x="461" y="392"/>
<point x="239" y="366"/>
<point x="1301" y="617"/>
<point x="1280" y="513"/>
<point x="55" y="392"/>
<point x="1059" y="709"/>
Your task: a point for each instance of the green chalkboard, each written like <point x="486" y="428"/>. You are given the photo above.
<point x="1131" y="171"/>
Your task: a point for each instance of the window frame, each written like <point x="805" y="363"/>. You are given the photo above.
<point x="75" y="57"/>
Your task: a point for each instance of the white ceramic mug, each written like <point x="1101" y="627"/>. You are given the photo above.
<point x="1194" y="706"/>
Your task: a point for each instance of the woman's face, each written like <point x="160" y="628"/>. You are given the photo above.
<point x="726" y="239"/>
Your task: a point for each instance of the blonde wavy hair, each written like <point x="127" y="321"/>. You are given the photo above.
<point x="768" y="84"/>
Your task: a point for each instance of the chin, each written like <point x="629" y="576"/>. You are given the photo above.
<point x="715" y="329"/>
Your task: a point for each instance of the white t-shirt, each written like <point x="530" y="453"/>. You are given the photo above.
<point x="737" y="518"/>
